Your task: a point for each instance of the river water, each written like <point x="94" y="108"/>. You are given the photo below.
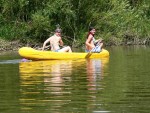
<point x="119" y="84"/>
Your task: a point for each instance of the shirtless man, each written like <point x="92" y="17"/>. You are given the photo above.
<point x="90" y="42"/>
<point x="55" y="41"/>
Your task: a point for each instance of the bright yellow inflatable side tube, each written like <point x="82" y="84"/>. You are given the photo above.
<point x="32" y="54"/>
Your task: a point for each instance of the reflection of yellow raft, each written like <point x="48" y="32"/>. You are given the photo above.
<point x="48" y="68"/>
<point x="30" y="53"/>
<point x="40" y="67"/>
<point x="44" y="68"/>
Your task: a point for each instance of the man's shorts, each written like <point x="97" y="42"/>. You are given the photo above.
<point x="57" y="50"/>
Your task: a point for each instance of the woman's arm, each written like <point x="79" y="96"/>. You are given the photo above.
<point x="88" y="42"/>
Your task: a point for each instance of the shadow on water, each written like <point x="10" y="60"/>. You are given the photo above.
<point x="60" y="85"/>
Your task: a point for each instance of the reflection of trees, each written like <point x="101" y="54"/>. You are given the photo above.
<point x="9" y="87"/>
<point x="58" y="85"/>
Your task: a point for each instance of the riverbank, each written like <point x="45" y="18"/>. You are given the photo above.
<point x="6" y="45"/>
<point x="16" y="44"/>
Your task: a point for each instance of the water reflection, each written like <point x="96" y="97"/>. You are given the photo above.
<point x="60" y="85"/>
<point x="95" y="68"/>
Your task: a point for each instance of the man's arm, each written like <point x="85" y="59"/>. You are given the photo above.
<point x="61" y="42"/>
<point x="44" y="44"/>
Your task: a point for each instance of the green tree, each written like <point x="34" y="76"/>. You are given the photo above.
<point x="34" y="19"/>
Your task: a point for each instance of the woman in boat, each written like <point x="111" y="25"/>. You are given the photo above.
<point x="55" y="41"/>
<point x="93" y="45"/>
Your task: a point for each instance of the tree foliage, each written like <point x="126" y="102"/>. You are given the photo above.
<point x="37" y="19"/>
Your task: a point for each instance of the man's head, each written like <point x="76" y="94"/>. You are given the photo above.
<point x="58" y="31"/>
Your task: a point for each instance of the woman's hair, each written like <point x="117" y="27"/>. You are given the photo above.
<point x="90" y="28"/>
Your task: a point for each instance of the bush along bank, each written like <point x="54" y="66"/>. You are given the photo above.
<point x="113" y="41"/>
<point x="127" y="41"/>
<point x="117" y="18"/>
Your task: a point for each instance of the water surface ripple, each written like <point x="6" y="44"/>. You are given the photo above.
<point x="119" y="84"/>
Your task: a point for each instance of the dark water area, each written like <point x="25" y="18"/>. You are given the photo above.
<point x="119" y="84"/>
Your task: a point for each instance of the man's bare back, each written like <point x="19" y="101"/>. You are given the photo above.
<point x="55" y="42"/>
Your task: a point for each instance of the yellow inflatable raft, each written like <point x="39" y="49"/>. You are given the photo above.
<point x="33" y="54"/>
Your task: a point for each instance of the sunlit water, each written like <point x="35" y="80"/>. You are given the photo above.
<point x="119" y="84"/>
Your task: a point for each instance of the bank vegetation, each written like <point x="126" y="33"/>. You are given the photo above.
<point x="118" y="22"/>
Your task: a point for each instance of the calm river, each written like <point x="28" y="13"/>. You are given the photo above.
<point x="119" y="84"/>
